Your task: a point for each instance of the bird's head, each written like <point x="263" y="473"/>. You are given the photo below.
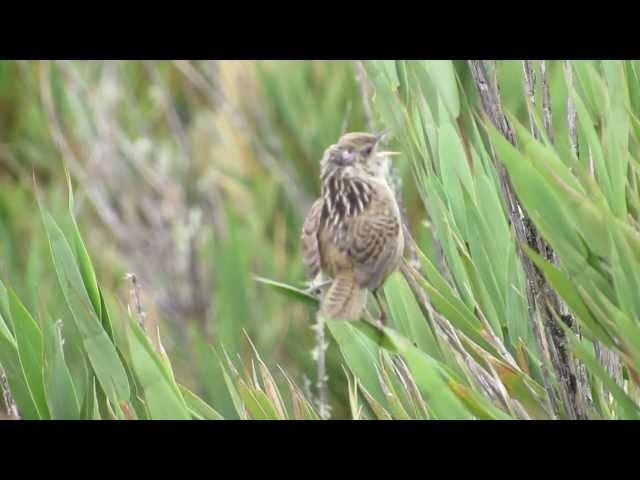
<point x="360" y="151"/>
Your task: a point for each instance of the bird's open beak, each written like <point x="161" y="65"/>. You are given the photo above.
<point x="388" y="153"/>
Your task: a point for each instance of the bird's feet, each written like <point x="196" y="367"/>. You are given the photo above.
<point x="316" y="286"/>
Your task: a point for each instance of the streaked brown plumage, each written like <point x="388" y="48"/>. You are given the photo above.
<point x="352" y="234"/>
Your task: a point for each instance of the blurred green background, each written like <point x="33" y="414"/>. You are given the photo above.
<point x="195" y="176"/>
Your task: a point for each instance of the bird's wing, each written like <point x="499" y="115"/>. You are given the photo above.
<point x="374" y="241"/>
<point x="310" y="247"/>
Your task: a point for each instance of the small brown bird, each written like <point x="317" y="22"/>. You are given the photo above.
<point x="352" y="234"/>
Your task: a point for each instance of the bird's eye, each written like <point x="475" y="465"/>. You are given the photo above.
<point x="367" y="150"/>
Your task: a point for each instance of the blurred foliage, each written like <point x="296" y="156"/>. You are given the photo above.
<point x="235" y="145"/>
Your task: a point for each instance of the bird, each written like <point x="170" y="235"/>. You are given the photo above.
<point x="352" y="237"/>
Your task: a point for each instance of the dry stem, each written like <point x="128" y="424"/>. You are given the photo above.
<point x="322" y="379"/>
<point x="540" y="296"/>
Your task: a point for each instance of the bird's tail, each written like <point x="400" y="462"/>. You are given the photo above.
<point x="345" y="299"/>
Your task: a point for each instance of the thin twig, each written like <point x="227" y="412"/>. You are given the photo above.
<point x="571" y="110"/>
<point x="135" y="296"/>
<point x="10" y="404"/>
<point x="322" y="378"/>
<point x="530" y="87"/>
<point x="546" y="102"/>
<point x="306" y="387"/>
